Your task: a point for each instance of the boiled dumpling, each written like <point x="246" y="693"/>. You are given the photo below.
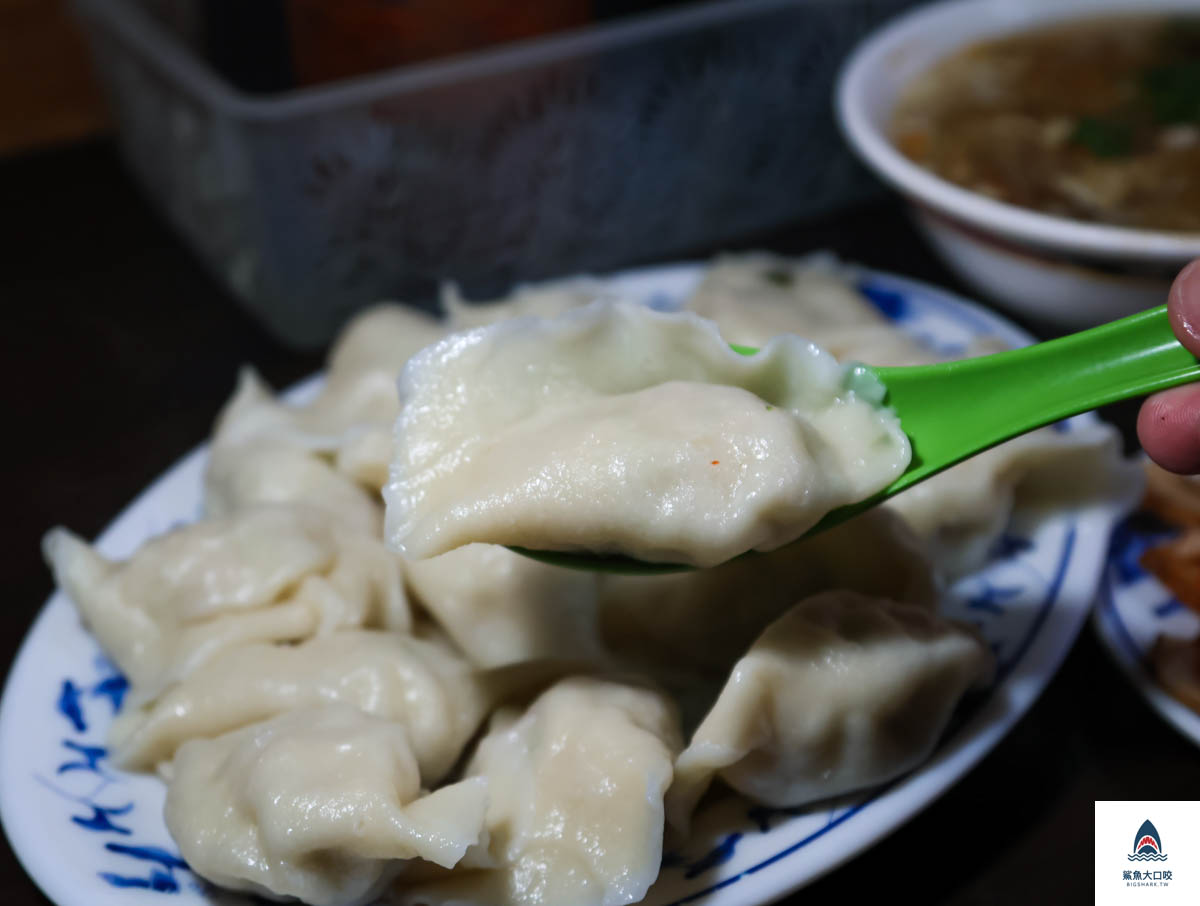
<point x="705" y="619"/>
<point x="348" y="424"/>
<point x="361" y="379"/>
<point x="346" y="405"/>
<point x="840" y="693"/>
<point x="420" y="683"/>
<point x="502" y="608"/>
<point x="264" y="470"/>
<point x="346" y="427"/>
<point x="962" y="512"/>
<point x="382" y="339"/>
<point x="324" y="805"/>
<point x="754" y="297"/>
<point x="267" y="574"/>
<point x="619" y="429"/>
<point x="544" y="300"/>
<point x="575" y="814"/>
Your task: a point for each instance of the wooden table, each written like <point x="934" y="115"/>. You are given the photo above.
<point x="119" y="350"/>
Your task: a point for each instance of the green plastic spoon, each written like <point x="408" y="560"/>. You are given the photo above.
<point x="953" y="410"/>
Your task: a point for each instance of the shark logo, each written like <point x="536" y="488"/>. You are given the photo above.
<point x="1147" y="845"/>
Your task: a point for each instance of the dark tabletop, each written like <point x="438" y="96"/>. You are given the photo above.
<point x="119" y="349"/>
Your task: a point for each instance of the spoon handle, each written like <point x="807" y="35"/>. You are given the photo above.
<point x="955" y="409"/>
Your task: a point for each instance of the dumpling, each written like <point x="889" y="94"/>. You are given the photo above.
<point x="323" y="805"/>
<point x="543" y="300"/>
<point x="345" y="405"/>
<point x="754" y="297"/>
<point x="382" y="339"/>
<point x="346" y="428"/>
<point x="419" y="683"/>
<point x="840" y="693"/>
<point x="575" y="813"/>
<point x="502" y="608"/>
<point x="706" y="619"/>
<point x="619" y="429"/>
<point x="348" y="424"/>
<point x="271" y="470"/>
<point x="962" y="512"/>
<point x="278" y="573"/>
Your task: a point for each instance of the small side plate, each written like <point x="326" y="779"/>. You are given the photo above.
<point x="1134" y="608"/>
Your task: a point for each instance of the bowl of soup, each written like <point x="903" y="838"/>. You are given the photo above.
<point x="1050" y="150"/>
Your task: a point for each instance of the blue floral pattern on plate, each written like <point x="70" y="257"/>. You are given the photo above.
<point x="90" y="834"/>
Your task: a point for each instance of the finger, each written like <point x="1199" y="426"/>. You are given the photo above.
<point x="1183" y="307"/>
<point x="1168" y="427"/>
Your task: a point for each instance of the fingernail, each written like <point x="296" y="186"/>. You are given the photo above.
<point x="1185" y="303"/>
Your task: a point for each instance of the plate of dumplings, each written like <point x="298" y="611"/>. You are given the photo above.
<point x="240" y="690"/>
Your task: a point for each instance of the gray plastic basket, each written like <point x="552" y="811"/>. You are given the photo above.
<point x="586" y="150"/>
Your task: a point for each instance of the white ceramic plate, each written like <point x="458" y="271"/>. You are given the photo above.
<point x="1134" y="608"/>
<point x="92" y="836"/>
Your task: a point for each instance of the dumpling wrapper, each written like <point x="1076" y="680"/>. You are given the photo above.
<point x="618" y="429"/>
<point x="420" y="683"/>
<point x="266" y="470"/>
<point x="754" y="297"/>
<point x="502" y="608"/>
<point x="962" y="512"/>
<point x="840" y="693"/>
<point x="322" y="804"/>
<point x="543" y="300"/>
<point x="381" y="339"/>
<point x="349" y="422"/>
<point x="344" y="405"/>
<point x="576" y="787"/>
<point x="348" y="425"/>
<point x="705" y="620"/>
<point x="273" y="573"/>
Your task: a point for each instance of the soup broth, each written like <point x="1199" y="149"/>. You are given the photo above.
<point x="1098" y="120"/>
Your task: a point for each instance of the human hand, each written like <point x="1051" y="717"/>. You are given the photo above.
<point x="1168" y="424"/>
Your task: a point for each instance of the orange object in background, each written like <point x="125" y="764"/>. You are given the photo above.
<point x="47" y="92"/>
<point x="333" y="39"/>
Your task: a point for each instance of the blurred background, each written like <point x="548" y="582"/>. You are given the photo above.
<point x="318" y="156"/>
